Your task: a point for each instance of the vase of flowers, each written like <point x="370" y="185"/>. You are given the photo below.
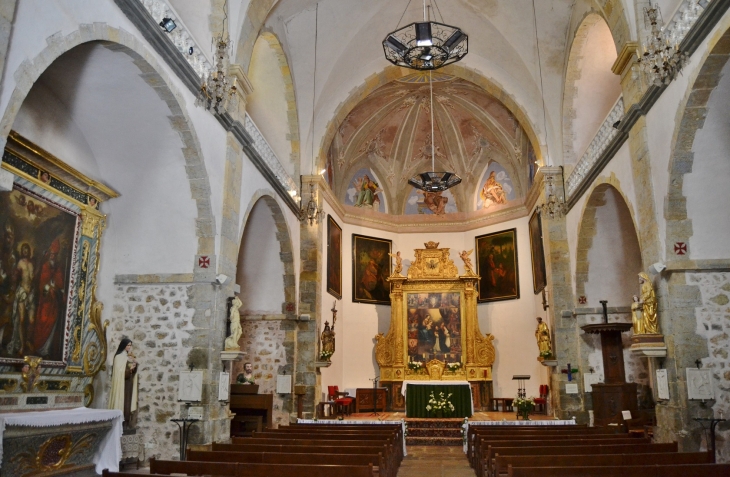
<point x="524" y="406"/>
<point x="440" y="406"/>
<point x="453" y="367"/>
<point x="415" y="366"/>
<point x="325" y="355"/>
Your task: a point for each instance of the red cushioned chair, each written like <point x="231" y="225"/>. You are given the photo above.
<point x="343" y="403"/>
<point x="541" y="402"/>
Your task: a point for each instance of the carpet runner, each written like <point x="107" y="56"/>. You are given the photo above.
<point x="434" y="432"/>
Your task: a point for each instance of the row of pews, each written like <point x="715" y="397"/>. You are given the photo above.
<point x="567" y="451"/>
<point x="311" y="450"/>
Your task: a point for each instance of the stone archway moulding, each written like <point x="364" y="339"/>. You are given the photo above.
<point x="119" y="40"/>
<point x="285" y="245"/>
<point x="587" y="227"/>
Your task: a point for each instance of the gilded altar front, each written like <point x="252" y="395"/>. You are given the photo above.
<point x="434" y="329"/>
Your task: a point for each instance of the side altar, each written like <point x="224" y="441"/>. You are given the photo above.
<point x="434" y="329"/>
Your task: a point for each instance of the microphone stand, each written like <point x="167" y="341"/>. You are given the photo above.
<point x="375" y="396"/>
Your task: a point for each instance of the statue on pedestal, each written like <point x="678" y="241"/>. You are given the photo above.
<point x="542" y="334"/>
<point x="231" y="343"/>
<point x="398" y="266"/>
<point x="124" y="392"/>
<point x="468" y="266"/>
<point x="246" y="377"/>
<point x="644" y="309"/>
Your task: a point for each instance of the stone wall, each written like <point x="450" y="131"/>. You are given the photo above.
<point x="263" y="342"/>
<point x="159" y="322"/>
<point x="713" y="323"/>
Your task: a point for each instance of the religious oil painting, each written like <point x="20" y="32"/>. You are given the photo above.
<point x="539" y="275"/>
<point x="497" y="266"/>
<point x="434" y="327"/>
<point x="430" y="203"/>
<point x="365" y="191"/>
<point x="496" y="187"/>
<point x="334" y="258"/>
<point x="371" y="268"/>
<point x="36" y="256"/>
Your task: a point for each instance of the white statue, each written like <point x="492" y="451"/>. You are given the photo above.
<point x="236" y="331"/>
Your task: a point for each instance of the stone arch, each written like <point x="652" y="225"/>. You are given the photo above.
<point x="690" y="120"/>
<point x="116" y="39"/>
<point x="283" y="236"/>
<point x="593" y="28"/>
<point x="292" y="113"/>
<point x="256" y="15"/>
<point x="589" y="229"/>
<point x="392" y="73"/>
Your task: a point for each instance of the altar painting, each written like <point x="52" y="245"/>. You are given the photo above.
<point x="36" y="256"/>
<point x="434" y="327"/>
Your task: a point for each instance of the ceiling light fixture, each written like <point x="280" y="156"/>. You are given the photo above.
<point x="218" y="89"/>
<point x="168" y="24"/>
<point x="553" y="207"/>
<point x="662" y="59"/>
<point x="425" y="45"/>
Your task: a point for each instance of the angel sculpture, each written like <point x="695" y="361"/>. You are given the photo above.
<point x="398" y="263"/>
<point x="467" y="261"/>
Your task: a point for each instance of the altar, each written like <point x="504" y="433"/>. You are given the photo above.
<point x="434" y="335"/>
<point x="418" y="393"/>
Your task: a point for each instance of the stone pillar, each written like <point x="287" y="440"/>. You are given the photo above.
<point x="310" y="300"/>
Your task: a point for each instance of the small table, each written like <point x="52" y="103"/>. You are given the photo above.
<point x="506" y="404"/>
<point x="417" y="394"/>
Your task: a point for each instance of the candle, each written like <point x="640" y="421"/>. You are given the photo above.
<point x="485" y="374"/>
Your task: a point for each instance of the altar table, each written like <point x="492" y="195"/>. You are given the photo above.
<point x="106" y="444"/>
<point x="418" y="395"/>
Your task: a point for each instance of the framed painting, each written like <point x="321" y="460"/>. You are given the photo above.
<point x="334" y="258"/>
<point x="370" y="270"/>
<point x="539" y="275"/>
<point x="434" y="326"/>
<point x="497" y="266"/>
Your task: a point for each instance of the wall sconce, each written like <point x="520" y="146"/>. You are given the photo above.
<point x="168" y="24"/>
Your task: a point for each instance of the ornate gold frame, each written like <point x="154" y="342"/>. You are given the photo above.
<point x="33" y="167"/>
<point x="434" y="271"/>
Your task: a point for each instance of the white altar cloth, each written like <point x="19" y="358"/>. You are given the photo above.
<point x="431" y="383"/>
<point x="110" y="450"/>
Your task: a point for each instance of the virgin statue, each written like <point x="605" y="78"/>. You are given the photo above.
<point x="123" y="395"/>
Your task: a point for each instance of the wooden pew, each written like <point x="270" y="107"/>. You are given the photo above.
<point x="687" y="470"/>
<point x="482" y="452"/>
<point x="486" y="467"/>
<point x="503" y="461"/>
<point x="168" y="467"/>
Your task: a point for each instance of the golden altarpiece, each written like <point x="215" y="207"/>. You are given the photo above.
<point x="434" y="328"/>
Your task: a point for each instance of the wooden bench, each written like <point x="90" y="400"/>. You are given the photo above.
<point x="503" y="461"/>
<point x="256" y="470"/>
<point x="687" y="470"/>
<point x="486" y="468"/>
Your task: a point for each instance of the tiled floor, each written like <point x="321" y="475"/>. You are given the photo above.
<point x="435" y="461"/>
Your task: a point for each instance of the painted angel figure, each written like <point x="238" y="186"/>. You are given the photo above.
<point x="468" y="266"/>
<point x="398" y="263"/>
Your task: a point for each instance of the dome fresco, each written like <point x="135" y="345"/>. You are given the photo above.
<point x="389" y="134"/>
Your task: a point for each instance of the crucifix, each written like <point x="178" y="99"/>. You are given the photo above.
<point x="569" y="370"/>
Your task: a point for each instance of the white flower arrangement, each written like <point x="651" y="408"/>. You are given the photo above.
<point x="524" y="403"/>
<point x="442" y="403"/>
<point x="415" y="365"/>
<point x="325" y="355"/>
<point x="453" y="367"/>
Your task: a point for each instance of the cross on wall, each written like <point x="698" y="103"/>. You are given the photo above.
<point x="569" y="371"/>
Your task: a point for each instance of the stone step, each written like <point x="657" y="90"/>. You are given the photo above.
<point x="434" y="441"/>
<point x="434" y="432"/>
<point x="434" y="423"/>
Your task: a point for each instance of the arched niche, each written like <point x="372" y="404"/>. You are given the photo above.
<point x="608" y="256"/>
<point x="591" y="88"/>
<point x="272" y="105"/>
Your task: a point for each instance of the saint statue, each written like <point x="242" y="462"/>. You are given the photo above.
<point x="123" y="395"/>
<point x="649" y="322"/>
<point x="636" y="316"/>
<point x="468" y="266"/>
<point x="246" y="377"/>
<point x="398" y="264"/>
<point x="231" y="343"/>
<point x="328" y="342"/>
<point x="542" y="334"/>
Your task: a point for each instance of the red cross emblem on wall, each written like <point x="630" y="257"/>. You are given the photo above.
<point x="204" y="261"/>
<point x="582" y="300"/>
<point x="680" y="248"/>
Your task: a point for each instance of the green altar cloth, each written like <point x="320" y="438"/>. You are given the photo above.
<point x="418" y="395"/>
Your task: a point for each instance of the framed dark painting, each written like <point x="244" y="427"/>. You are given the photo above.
<point x="37" y="253"/>
<point x="370" y="270"/>
<point x="334" y="258"/>
<point x="497" y="266"/>
<point x="539" y="275"/>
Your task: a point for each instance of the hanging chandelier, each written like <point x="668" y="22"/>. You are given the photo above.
<point x="425" y="45"/>
<point x="311" y="212"/>
<point x="662" y="60"/>
<point x="554" y="207"/>
<point x="218" y="88"/>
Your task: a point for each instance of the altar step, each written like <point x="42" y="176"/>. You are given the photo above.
<point x="434" y="432"/>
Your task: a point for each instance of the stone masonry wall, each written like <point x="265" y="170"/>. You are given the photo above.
<point x="159" y="322"/>
<point x="713" y="324"/>
<point x="263" y="343"/>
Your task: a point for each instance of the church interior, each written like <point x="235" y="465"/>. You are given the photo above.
<point x="510" y="209"/>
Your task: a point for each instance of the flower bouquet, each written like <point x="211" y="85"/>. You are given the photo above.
<point x="524" y="406"/>
<point x="415" y="366"/>
<point x="440" y="406"/>
<point x="453" y="367"/>
<point x="325" y="355"/>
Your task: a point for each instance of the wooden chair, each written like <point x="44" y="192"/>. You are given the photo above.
<point x="343" y="403"/>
